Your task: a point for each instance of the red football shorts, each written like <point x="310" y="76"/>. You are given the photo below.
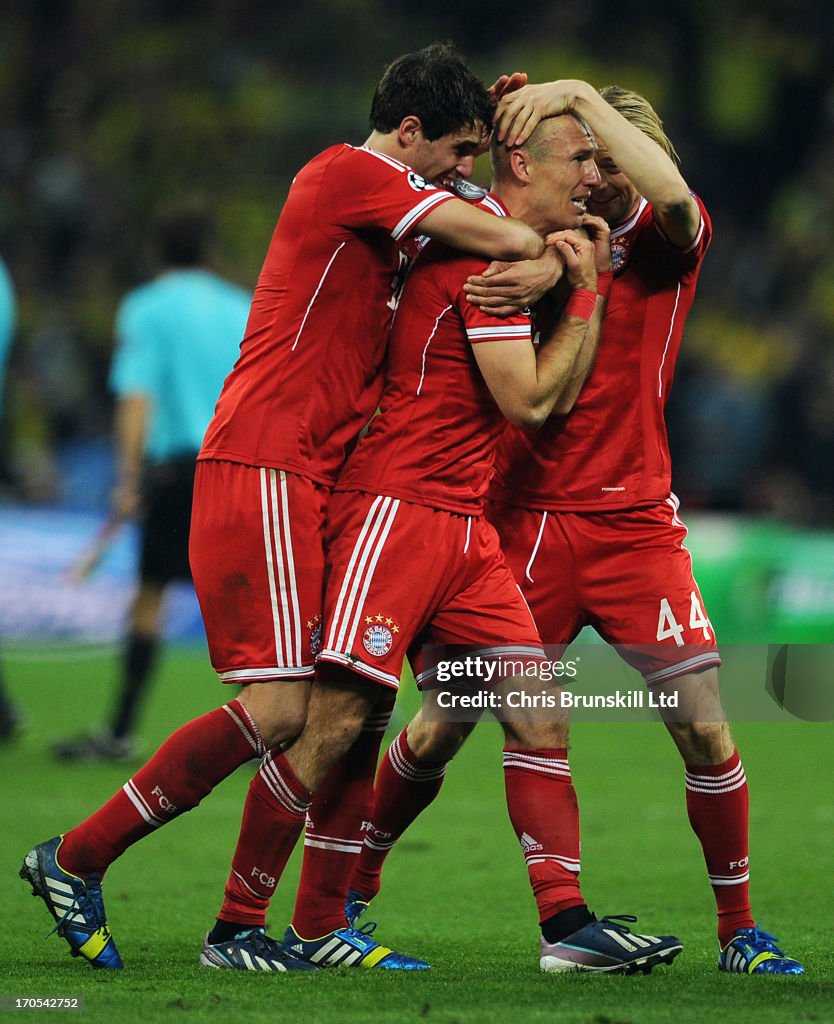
<point x="400" y="575"/>
<point x="627" y="574"/>
<point x="256" y="552"/>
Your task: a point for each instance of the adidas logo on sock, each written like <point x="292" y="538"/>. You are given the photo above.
<point x="529" y="844"/>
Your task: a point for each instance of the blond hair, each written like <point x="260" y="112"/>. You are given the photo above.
<point x="637" y="110"/>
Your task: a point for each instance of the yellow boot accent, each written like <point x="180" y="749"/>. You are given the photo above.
<point x="95" y="944"/>
<point x="373" y="958"/>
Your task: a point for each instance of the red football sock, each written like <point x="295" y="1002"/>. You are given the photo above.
<point x="717" y="802"/>
<point x="340" y="810"/>
<point x="543" y="809"/>
<point x="405" y="786"/>
<point x="273" y="817"/>
<point x="188" y="765"/>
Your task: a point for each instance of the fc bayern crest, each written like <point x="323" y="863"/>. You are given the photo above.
<point x="315" y="628"/>
<point x="619" y="254"/>
<point x="315" y="640"/>
<point x="377" y="639"/>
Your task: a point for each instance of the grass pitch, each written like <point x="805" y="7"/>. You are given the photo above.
<point x="456" y="890"/>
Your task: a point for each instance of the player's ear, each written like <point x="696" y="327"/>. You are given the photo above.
<point x="520" y="164"/>
<point x="410" y="130"/>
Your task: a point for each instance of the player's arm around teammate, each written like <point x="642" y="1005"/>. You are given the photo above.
<point x="506" y="287"/>
<point x="626" y="149"/>
<point x="451" y="156"/>
<point x="526" y="385"/>
<point x="465" y="227"/>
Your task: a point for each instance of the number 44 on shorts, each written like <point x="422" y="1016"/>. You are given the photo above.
<point x="668" y="625"/>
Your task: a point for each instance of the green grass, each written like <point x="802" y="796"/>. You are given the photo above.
<point x="456" y="891"/>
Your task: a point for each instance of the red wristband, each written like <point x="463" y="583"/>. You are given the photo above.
<point x="581" y="303"/>
<point x="604" y="279"/>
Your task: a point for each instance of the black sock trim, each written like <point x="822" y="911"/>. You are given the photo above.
<point x="224" y="931"/>
<point x="566" y="922"/>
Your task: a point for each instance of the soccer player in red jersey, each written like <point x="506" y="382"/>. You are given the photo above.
<point x="591" y="529"/>
<point x="410" y="556"/>
<point x="308" y="379"/>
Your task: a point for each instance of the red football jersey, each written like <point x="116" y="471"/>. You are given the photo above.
<point x="309" y="375"/>
<point x="433" y="442"/>
<point x="611" y="450"/>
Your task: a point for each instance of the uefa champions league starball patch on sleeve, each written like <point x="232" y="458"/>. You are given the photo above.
<point x="419" y="183"/>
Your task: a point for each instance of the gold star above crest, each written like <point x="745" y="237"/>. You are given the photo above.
<point x="369" y="619"/>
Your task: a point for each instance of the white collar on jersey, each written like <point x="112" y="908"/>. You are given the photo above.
<point x="632" y="220"/>
<point x="494" y="204"/>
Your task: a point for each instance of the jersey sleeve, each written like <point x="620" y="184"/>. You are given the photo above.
<point x="135" y="367"/>
<point x="480" y="327"/>
<point x="375" y="191"/>
<point x="693" y="254"/>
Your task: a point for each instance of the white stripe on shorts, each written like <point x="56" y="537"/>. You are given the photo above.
<point x="359" y="573"/>
<point x="289" y="587"/>
<point x="280" y="568"/>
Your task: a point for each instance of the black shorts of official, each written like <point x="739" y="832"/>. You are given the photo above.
<point x="167" y="492"/>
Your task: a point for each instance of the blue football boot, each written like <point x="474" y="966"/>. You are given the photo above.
<point x="252" y="950"/>
<point x="610" y="946"/>
<point x="350" y="947"/>
<point x="751" y="951"/>
<point x="75" y="903"/>
<point x="355" y="907"/>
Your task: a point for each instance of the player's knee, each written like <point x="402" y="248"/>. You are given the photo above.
<point x="702" y="742"/>
<point x="536" y="735"/>
<point x="339" y="706"/>
<point x="287" y="727"/>
<point x="339" y="736"/>
<point x="279" y="710"/>
<point x="436" y="741"/>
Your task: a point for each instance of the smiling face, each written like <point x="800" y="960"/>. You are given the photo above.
<point x="562" y="173"/>
<point x="450" y="157"/>
<point x="614" y="198"/>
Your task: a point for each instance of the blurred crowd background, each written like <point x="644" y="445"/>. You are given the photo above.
<point x="109" y="111"/>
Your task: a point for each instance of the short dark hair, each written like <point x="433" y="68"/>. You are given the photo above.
<point x="436" y="85"/>
<point x="184" y="235"/>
